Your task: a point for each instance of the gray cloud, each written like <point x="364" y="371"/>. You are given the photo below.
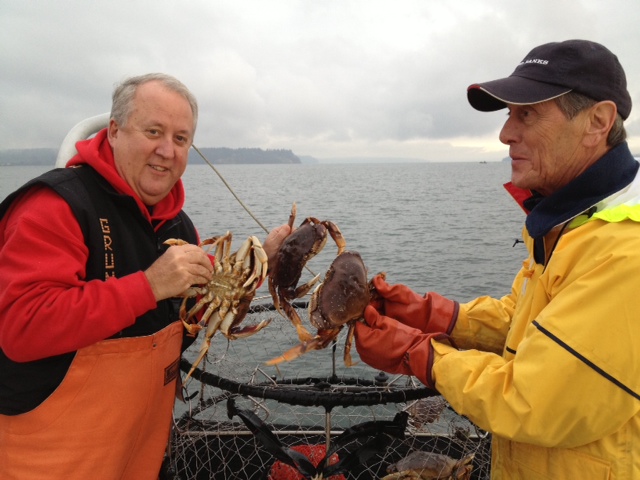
<point x="329" y="79"/>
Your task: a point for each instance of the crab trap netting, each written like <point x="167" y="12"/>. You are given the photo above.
<point x="312" y="417"/>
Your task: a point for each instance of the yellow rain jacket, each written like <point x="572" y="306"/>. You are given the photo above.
<point x="552" y="370"/>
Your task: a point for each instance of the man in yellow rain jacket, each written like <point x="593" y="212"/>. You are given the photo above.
<point x="552" y="370"/>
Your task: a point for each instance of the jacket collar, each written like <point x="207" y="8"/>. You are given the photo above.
<point x="614" y="171"/>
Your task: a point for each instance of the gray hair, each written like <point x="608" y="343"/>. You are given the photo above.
<point x="573" y="103"/>
<point x="123" y="94"/>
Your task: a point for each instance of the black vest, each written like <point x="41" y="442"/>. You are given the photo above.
<point x="120" y="241"/>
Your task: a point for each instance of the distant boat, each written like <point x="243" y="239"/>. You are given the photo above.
<point x="483" y="161"/>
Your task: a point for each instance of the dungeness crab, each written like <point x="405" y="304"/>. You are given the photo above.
<point x="285" y="270"/>
<point x="340" y="299"/>
<point x="430" y="466"/>
<point x="228" y="294"/>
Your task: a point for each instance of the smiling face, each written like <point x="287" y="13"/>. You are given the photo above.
<point x="547" y="149"/>
<point x="152" y="148"/>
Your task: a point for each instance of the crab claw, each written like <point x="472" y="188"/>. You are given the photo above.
<point x="175" y="241"/>
<point x="247" y="331"/>
<point x="292" y="216"/>
<point x="192" y="328"/>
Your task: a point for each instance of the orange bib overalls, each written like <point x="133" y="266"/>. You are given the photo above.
<point x="109" y="419"/>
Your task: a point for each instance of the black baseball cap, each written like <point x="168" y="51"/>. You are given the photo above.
<point x="554" y="69"/>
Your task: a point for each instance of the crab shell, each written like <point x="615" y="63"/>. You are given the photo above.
<point x="226" y="298"/>
<point x="343" y="295"/>
<point x="340" y="299"/>
<point x="304" y="243"/>
<point x="285" y="270"/>
<point x="430" y="466"/>
<point x="425" y="410"/>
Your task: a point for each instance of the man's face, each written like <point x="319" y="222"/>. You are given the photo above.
<point x="545" y="147"/>
<point x="152" y="149"/>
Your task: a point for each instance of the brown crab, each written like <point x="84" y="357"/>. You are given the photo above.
<point x="425" y="411"/>
<point x="285" y="269"/>
<point x="228" y="294"/>
<point x="430" y="466"/>
<point x="340" y="299"/>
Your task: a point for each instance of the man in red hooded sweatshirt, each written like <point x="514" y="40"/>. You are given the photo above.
<point x="89" y="334"/>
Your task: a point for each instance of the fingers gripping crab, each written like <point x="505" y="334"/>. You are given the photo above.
<point x="296" y="250"/>
<point x="228" y="294"/>
<point x="339" y="300"/>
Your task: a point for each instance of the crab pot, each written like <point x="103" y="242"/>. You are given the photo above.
<point x="304" y="403"/>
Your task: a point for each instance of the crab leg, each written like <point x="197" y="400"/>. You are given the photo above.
<point x="213" y="304"/>
<point x="292" y="216"/>
<point x="292" y="315"/>
<point x="286" y="309"/>
<point x="212" y="328"/>
<point x="260" y="260"/>
<point x="348" y="361"/>
<point x="245" y="332"/>
<point x="261" y="267"/>
<point x="336" y="234"/>
<point x="216" y="242"/>
<point x="302" y="290"/>
<point x="316" y="343"/>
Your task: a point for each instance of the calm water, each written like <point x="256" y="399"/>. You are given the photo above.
<point x="448" y="227"/>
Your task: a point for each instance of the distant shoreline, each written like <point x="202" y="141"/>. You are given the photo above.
<point x="219" y="156"/>
<point x="234" y="156"/>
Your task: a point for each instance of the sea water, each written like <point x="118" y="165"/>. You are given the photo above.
<point x="446" y="227"/>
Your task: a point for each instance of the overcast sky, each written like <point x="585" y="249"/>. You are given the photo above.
<point x="340" y="78"/>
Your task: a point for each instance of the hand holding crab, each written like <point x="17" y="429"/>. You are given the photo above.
<point x="177" y="269"/>
<point x="227" y="296"/>
<point x="285" y="266"/>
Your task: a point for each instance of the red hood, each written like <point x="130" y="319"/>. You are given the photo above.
<point x="97" y="153"/>
<point x="519" y="195"/>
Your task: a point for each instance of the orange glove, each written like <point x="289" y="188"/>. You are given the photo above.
<point x="430" y="314"/>
<point x="393" y="347"/>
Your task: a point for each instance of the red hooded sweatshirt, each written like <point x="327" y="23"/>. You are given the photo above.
<point x="46" y="306"/>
